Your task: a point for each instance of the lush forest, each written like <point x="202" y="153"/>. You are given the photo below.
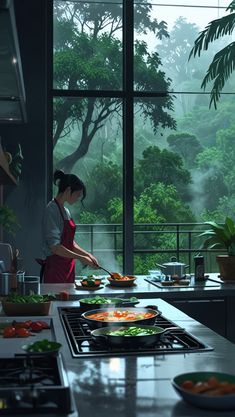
<point x="184" y="154"/>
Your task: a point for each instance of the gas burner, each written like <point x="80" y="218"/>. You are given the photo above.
<point x="34" y="384"/>
<point x="81" y="343"/>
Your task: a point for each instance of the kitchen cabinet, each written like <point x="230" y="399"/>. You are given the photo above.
<point x="210" y="312"/>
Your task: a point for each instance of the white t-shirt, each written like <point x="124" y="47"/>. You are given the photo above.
<point x="52" y="226"/>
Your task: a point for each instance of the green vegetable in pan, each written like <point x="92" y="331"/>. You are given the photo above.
<point x="132" y="331"/>
<point x="105" y="300"/>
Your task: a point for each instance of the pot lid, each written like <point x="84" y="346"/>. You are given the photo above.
<point x="174" y="264"/>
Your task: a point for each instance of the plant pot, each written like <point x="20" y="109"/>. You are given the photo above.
<point x="226" y="267"/>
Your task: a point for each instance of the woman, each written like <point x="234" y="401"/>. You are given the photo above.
<point x="59" y="247"/>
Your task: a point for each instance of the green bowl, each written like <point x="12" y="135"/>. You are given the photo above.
<point x="220" y="402"/>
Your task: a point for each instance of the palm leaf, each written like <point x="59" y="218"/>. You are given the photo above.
<point x="214" y="30"/>
<point x="220" y="69"/>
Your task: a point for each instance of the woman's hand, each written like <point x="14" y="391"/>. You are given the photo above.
<point x="88" y="260"/>
<point x="94" y="260"/>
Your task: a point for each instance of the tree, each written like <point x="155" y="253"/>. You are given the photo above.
<point x="223" y="63"/>
<point x="88" y="55"/>
<point x="161" y="166"/>
<point x="186" y="145"/>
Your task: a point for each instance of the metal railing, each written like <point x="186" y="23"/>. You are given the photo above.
<point x="162" y="239"/>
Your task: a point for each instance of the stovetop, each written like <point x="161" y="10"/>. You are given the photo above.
<point x="33" y="384"/>
<point x="208" y="283"/>
<point x="82" y="345"/>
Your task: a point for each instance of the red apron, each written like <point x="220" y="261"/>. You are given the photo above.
<point x="59" y="269"/>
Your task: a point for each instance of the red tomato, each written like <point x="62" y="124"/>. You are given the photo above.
<point x="64" y="296"/>
<point x="9" y="332"/>
<point x="43" y="324"/>
<point x="22" y="332"/>
<point x="21" y="324"/>
<point x="36" y="326"/>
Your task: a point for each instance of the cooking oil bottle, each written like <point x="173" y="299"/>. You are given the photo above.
<point x="199" y="267"/>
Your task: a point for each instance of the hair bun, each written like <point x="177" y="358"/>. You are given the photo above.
<point x="58" y="175"/>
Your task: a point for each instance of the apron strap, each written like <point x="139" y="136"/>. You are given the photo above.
<point x="59" y="207"/>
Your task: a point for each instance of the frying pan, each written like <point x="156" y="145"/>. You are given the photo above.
<point x="114" y="302"/>
<point x="102" y="336"/>
<point x="94" y="324"/>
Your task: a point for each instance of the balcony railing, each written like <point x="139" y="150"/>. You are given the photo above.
<point x="163" y="240"/>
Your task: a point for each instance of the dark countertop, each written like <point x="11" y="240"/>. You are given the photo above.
<point x="144" y="289"/>
<point x="139" y="386"/>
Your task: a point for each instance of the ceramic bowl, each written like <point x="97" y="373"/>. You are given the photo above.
<point x="121" y="282"/>
<point x="218" y="402"/>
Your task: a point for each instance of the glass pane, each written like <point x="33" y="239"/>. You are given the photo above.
<point x="184" y="173"/>
<point x="160" y="56"/>
<point x="88" y="142"/>
<point x="87" y="45"/>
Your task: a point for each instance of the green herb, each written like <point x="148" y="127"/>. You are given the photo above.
<point x="42" y="346"/>
<point x="32" y="298"/>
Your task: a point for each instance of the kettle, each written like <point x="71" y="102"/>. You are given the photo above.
<point x="174" y="268"/>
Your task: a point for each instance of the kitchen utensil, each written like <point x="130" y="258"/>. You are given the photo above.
<point x="98" y="302"/>
<point x="174" y="268"/>
<point x="6" y="255"/>
<point x="103" y="335"/>
<point x="5" y="283"/>
<point x="219" y="402"/>
<point x="104" y="269"/>
<point x="2" y="266"/>
<point x="94" y="323"/>
<point x="28" y="284"/>
<point x="122" y="282"/>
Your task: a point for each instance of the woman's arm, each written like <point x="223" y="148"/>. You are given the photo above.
<point x="77" y="249"/>
<point x="61" y="250"/>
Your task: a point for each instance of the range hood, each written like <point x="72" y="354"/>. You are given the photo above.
<point x="12" y="92"/>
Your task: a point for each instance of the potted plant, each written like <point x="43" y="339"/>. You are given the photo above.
<point x="8" y="220"/>
<point x="222" y="236"/>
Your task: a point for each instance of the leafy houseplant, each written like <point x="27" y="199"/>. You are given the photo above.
<point x="8" y="220"/>
<point x="222" y="236"/>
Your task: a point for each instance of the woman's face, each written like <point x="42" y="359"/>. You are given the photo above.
<point x="73" y="197"/>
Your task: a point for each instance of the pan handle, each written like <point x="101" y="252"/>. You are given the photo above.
<point x="172" y="328"/>
<point x="162" y="266"/>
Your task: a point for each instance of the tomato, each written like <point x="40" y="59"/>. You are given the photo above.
<point x="188" y="384"/>
<point x="22" y="332"/>
<point x="21" y="324"/>
<point x="36" y="326"/>
<point x="9" y="331"/>
<point x="43" y="324"/>
<point x="64" y="295"/>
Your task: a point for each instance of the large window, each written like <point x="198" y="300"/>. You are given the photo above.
<point x="131" y="119"/>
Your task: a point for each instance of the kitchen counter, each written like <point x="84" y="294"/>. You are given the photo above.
<point x="144" y="289"/>
<point x="139" y="386"/>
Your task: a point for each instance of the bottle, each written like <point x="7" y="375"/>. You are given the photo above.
<point x="199" y="267"/>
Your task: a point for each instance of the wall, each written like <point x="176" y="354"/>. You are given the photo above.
<point x="28" y="199"/>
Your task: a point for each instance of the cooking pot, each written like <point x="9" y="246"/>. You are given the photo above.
<point x="174" y="268"/>
<point x="119" y="320"/>
<point x="103" y="335"/>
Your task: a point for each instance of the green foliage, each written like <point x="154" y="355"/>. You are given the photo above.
<point x="8" y="220"/>
<point x="220" y="235"/>
<point x="165" y="167"/>
<point x="223" y="63"/>
<point x="186" y="145"/>
<point x="88" y="55"/>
